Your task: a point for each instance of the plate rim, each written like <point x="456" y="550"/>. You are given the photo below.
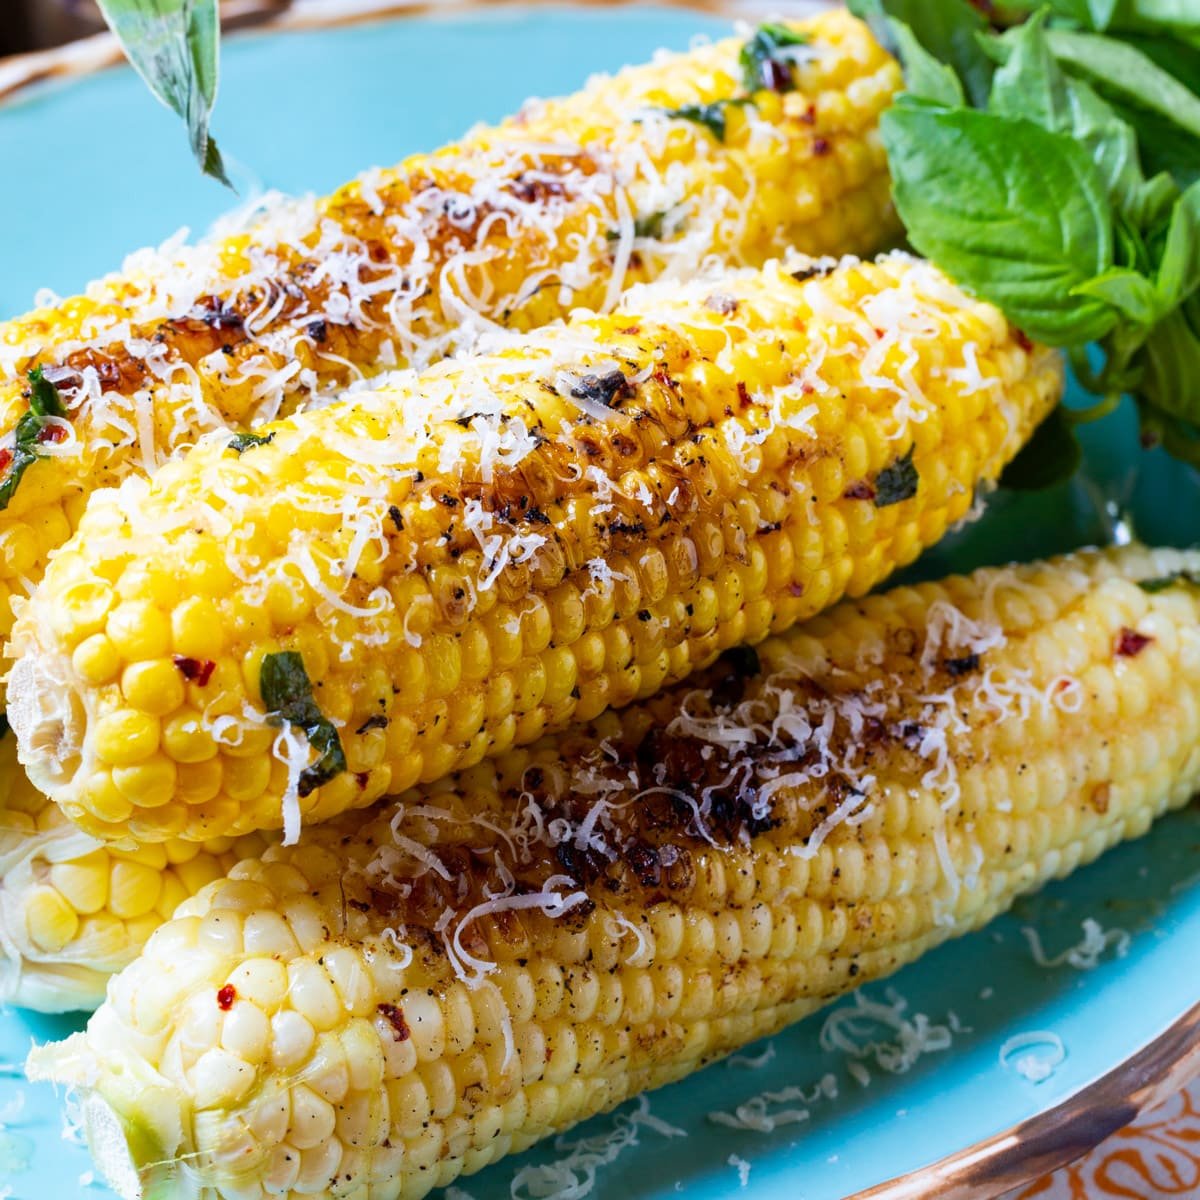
<point x="984" y="1170"/>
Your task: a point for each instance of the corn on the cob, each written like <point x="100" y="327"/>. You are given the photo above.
<point x="73" y="911"/>
<point x="556" y="208"/>
<point x="409" y="996"/>
<point x="506" y="543"/>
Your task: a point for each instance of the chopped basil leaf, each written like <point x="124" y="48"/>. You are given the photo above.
<point x="711" y="116"/>
<point x="44" y="402"/>
<point x="287" y="695"/>
<point x="897" y="481"/>
<point x="244" y="441"/>
<point x="649" y="226"/>
<point x="767" y="58"/>
<point x="1168" y="581"/>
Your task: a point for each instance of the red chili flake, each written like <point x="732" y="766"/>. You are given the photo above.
<point x="821" y="147"/>
<point x="809" y="115"/>
<point x="5" y="459"/>
<point x="51" y="433"/>
<point x="1130" y="642"/>
<point x="1063" y="684"/>
<point x="776" y="75"/>
<point x="226" y="996"/>
<point x="395" y="1018"/>
<point x="1148" y="439"/>
<point x="861" y="490"/>
<point x="195" y="671"/>
<point x="796" y="589"/>
<point x="1023" y="339"/>
<point x="743" y="393"/>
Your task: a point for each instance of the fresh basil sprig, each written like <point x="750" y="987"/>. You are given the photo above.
<point x="1028" y="181"/>
<point x="174" y="45"/>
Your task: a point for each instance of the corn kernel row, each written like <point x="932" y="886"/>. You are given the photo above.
<point x="341" y="1014"/>
<point x="503" y="544"/>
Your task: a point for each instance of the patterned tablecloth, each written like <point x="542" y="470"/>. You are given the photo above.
<point x="1157" y="1156"/>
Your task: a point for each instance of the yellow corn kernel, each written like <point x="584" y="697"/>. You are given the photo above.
<point x="50" y="919"/>
<point x="563" y="590"/>
<point x="728" y="926"/>
<point x="126" y="736"/>
<point x="755" y="195"/>
<point x="154" y="686"/>
<point x="83" y="882"/>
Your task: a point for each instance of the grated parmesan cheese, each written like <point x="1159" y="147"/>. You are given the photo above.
<point x="742" y="1167"/>
<point x="573" y="1175"/>
<point x="1034" y="1056"/>
<point x="1086" y="954"/>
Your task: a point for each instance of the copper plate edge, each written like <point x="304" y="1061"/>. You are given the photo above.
<point x="1061" y="1134"/>
<point x="987" y="1169"/>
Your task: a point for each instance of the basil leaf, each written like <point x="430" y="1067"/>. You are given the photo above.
<point x="1051" y="456"/>
<point x="1121" y="70"/>
<point x="947" y="29"/>
<point x="1176" y="57"/>
<point x="287" y="696"/>
<point x="242" y="442"/>
<point x="1179" y="268"/>
<point x="1179" y="17"/>
<point x="1030" y="83"/>
<point x="44" y="402"/>
<point x="924" y="77"/>
<point x="1170" y="366"/>
<point x="173" y="46"/>
<point x="768" y="57"/>
<point x="711" y="116"/>
<point x="1168" y="581"/>
<point x="897" y="481"/>
<point x="1129" y="292"/>
<point x="1164" y="146"/>
<point x="1014" y="213"/>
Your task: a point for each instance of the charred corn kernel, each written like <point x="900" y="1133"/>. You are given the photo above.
<point x="72" y="912"/>
<point x="568" y="177"/>
<point x="573" y="970"/>
<point x="576" y="396"/>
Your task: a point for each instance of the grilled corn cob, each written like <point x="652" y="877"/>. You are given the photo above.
<point x="556" y="208"/>
<point x="73" y="911"/>
<point x="434" y="572"/>
<point x="410" y="995"/>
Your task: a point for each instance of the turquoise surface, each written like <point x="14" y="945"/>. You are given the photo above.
<point x="93" y="169"/>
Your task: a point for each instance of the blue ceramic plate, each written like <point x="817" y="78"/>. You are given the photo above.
<point x="92" y="169"/>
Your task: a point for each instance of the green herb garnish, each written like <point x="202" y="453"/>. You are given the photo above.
<point x="245" y="441"/>
<point x="1023" y="167"/>
<point x="1168" y="581"/>
<point x="768" y="57"/>
<point x="649" y="226"/>
<point x="711" y="116"/>
<point x="44" y="402"/>
<point x="287" y="695"/>
<point x="174" y="46"/>
<point x="897" y="481"/>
